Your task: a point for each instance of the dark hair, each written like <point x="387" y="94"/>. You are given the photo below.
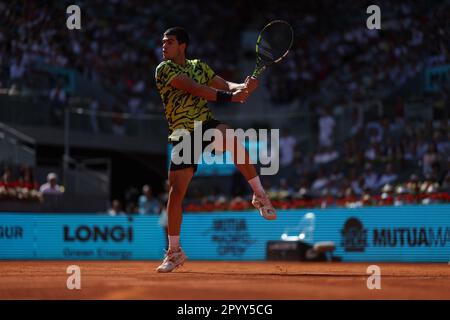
<point x="180" y="33"/>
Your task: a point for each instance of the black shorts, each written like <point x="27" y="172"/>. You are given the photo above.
<point x="210" y="124"/>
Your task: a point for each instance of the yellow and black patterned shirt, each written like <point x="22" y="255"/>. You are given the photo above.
<point x="182" y="108"/>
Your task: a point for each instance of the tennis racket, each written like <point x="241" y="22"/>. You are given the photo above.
<point x="273" y="44"/>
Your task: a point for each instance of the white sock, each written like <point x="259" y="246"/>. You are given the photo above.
<point x="174" y="243"/>
<point x="256" y="185"/>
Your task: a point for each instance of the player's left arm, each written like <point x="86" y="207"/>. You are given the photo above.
<point x="219" y="83"/>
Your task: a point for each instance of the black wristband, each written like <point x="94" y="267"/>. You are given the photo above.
<point x="223" y="96"/>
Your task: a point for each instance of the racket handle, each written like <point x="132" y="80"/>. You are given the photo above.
<point x="257" y="73"/>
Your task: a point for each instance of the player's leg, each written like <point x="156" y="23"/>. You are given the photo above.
<point x="248" y="170"/>
<point x="178" y="184"/>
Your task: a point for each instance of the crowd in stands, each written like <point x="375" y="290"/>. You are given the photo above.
<point x="333" y="51"/>
<point x="118" y="47"/>
<point x="335" y="61"/>
<point x="144" y="203"/>
<point x="383" y="161"/>
<point x="410" y="191"/>
<point x="17" y="183"/>
<point x="344" y="60"/>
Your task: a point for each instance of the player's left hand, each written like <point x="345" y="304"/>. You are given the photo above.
<point x="251" y="84"/>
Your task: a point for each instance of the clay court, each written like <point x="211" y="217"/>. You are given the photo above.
<point x="222" y="280"/>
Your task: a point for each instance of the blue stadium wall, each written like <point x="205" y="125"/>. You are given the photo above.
<point x="407" y="233"/>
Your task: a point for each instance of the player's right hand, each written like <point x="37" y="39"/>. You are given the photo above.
<point x="251" y="84"/>
<point x="240" y="95"/>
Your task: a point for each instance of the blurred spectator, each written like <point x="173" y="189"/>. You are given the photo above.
<point x="387" y="196"/>
<point x="320" y="182"/>
<point x="132" y="195"/>
<point x="356" y="182"/>
<point x="116" y="208"/>
<point x="287" y="147"/>
<point x="17" y="70"/>
<point x="399" y="111"/>
<point x="58" y="99"/>
<point x="325" y="155"/>
<point x="430" y="158"/>
<point x="370" y="177"/>
<point x="372" y="152"/>
<point x="7" y="185"/>
<point x="118" y="123"/>
<point x="27" y="188"/>
<point x="422" y="147"/>
<point x="132" y="208"/>
<point x="446" y="183"/>
<point x="93" y="108"/>
<point x="51" y="186"/>
<point x="374" y="131"/>
<point x="442" y="141"/>
<point x="326" y="128"/>
<point x="413" y="184"/>
<point x="282" y="191"/>
<point x="357" y="121"/>
<point x="388" y="177"/>
<point x="147" y="203"/>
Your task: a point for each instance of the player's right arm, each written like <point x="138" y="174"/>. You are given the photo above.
<point x="183" y="82"/>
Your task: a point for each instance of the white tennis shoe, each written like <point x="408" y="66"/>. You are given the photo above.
<point x="263" y="204"/>
<point x="172" y="261"/>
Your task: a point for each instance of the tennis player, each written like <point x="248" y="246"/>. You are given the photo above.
<point x="185" y="87"/>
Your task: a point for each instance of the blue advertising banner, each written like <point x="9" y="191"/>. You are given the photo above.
<point x="404" y="234"/>
<point x="17" y="238"/>
<point x="409" y="233"/>
<point x="80" y="237"/>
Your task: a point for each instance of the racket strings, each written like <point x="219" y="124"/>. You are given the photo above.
<point x="272" y="45"/>
<point x="276" y="40"/>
